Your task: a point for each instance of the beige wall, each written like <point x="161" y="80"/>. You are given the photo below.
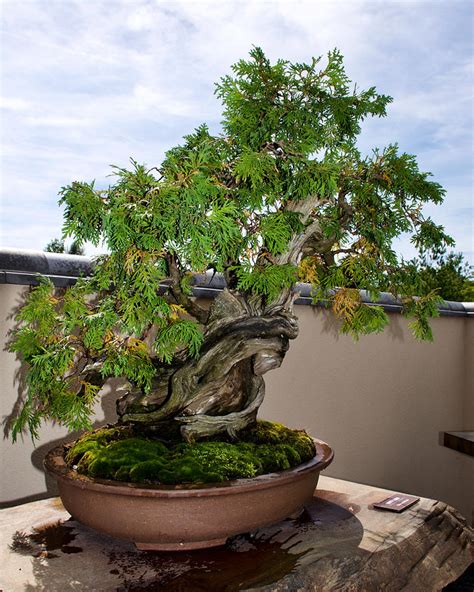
<point x="468" y="403"/>
<point x="381" y="403"/>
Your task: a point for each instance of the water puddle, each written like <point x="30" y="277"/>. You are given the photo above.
<point x="256" y="559"/>
<point x="245" y="561"/>
<point x="44" y="540"/>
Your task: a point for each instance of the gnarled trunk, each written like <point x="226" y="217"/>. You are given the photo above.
<point x="223" y="388"/>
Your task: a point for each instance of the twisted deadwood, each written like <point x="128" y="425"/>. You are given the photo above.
<point x="223" y="388"/>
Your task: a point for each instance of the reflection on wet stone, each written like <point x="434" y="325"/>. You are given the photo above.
<point x="244" y="563"/>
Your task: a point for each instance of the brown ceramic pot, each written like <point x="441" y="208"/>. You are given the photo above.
<point x="186" y="516"/>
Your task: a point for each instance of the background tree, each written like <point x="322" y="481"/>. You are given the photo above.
<point x="57" y="245"/>
<point x="282" y="195"/>
<point x="447" y="273"/>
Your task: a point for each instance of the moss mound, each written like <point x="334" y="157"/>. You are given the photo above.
<point x="119" y="454"/>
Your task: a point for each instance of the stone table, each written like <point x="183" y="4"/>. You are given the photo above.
<point x="339" y="543"/>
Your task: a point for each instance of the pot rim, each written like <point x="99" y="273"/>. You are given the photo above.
<point x="55" y="464"/>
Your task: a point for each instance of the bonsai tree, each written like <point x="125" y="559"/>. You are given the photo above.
<point x="282" y="195"/>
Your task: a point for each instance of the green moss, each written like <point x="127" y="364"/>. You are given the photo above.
<point x="267" y="432"/>
<point x="124" y="473"/>
<point x="95" y="440"/>
<point x="277" y="457"/>
<point x="118" y="454"/>
<point x="115" y="460"/>
<point x="146" y="471"/>
<point x="221" y="460"/>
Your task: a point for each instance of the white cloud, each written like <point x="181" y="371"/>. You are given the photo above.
<point x="149" y="99"/>
<point x="52" y="121"/>
<point x="141" y="19"/>
<point x="14" y="104"/>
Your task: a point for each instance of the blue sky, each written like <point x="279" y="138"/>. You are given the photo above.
<point x="86" y="84"/>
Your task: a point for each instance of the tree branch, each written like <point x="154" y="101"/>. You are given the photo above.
<point x="312" y="240"/>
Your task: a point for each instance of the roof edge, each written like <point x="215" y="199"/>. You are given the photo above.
<point x="23" y="266"/>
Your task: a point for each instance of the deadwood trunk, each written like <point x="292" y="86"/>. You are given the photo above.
<point x="221" y="390"/>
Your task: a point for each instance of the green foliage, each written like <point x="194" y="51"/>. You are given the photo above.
<point x="97" y="324"/>
<point x="277" y="230"/>
<point x="116" y="454"/>
<point x="308" y="107"/>
<point x="366" y="319"/>
<point x="255" y="169"/>
<point x="83" y="212"/>
<point x="224" y="231"/>
<point x="50" y="356"/>
<point x="267" y="281"/>
<point x="49" y="395"/>
<point x="421" y="309"/>
<point x="181" y="332"/>
<point x="39" y="312"/>
<point x="132" y="360"/>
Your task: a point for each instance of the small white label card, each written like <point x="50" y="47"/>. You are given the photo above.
<point x="397" y="502"/>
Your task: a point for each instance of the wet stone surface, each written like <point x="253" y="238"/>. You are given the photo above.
<point x="338" y="543"/>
